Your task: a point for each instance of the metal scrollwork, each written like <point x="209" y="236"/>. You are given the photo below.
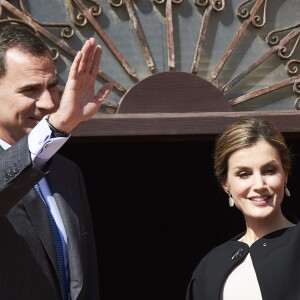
<point x="81" y="19"/>
<point x="95" y="9"/>
<point x="163" y="1"/>
<point x="274" y="39"/>
<point x="201" y="3"/>
<point x="217" y="5"/>
<point x="54" y="52"/>
<point x="292" y="67"/>
<point x="273" y="36"/>
<point x="296" y="89"/>
<point x="244" y="12"/>
<point x="114" y="4"/>
<point x="297" y="104"/>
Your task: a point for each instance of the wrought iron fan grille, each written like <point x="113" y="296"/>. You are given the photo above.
<point x="249" y="50"/>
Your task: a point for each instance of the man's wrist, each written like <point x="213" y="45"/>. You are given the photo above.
<point x="55" y="131"/>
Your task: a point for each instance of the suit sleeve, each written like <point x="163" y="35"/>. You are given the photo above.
<point x="18" y="174"/>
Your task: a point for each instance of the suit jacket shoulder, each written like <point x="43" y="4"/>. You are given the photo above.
<point x="17" y="174"/>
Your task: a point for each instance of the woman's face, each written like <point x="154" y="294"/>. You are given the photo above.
<point x="256" y="180"/>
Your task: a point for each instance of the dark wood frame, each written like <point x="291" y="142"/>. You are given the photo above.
<point x="176" y="125"/>
<point x="176" y="105"/>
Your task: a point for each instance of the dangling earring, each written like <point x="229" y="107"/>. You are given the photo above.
<point x="287" y="192"/>
<point x="231" y="202"/>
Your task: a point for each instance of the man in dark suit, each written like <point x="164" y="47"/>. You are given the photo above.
<point x="43" y="203"/>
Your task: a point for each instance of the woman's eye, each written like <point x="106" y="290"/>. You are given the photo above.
<point x="270" y="171"/>
<point x="243" y="174"/>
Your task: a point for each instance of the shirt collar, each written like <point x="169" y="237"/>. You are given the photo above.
<point x="4" y="145"/>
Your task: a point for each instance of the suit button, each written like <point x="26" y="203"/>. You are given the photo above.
<point x="238" y="253"/>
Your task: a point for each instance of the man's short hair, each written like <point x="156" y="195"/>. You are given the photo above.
<point x="22" y="37"/>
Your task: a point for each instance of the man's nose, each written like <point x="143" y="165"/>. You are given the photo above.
<point x="45" y="101"/>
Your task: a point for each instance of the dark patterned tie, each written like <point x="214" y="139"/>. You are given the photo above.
<point x="58" y="246"/>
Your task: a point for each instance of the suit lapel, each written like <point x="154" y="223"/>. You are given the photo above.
<point x="72" y="228"/>
<point x="38" y="215"/>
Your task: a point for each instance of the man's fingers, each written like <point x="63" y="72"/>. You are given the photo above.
<point x="75" y="65"/>
<point x="94" y="67"/>
<point x="87" y="55"/>
<point x="90" y="61"/>
<point x="87" y="60"/>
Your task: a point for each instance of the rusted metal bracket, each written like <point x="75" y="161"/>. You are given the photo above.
<point x="86" y="13"/>
<point x="138" y="31"/>
<point x="293" y="80"/>
<point x="210" y="5"/>
<point x="250" y="17"/>
<point x="279" y="47"/>
<point x="170" y="30"/>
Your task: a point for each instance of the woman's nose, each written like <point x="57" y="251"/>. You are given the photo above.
<point x="259" y="181"/>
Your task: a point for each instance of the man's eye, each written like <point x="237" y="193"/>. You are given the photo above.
<point x="53" y="86"/>
<point x="28" y="91"/>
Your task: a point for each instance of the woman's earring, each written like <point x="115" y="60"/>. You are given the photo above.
<point x="231" y="202"/>
<point x="287" y="192"/>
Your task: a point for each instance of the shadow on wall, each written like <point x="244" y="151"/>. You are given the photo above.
<point x="157" y="209"/>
